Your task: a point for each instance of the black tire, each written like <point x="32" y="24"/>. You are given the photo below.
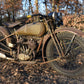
<point x="73" y="63"/>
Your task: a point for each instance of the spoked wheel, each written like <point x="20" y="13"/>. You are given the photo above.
<point x="72" y="63"/>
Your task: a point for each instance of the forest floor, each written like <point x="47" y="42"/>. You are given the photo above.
<point x="14" y="73"/>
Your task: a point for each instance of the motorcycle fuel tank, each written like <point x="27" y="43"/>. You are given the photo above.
<point x="33" y="29"/>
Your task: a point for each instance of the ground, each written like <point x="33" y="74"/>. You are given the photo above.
<point x="13" y="73"/>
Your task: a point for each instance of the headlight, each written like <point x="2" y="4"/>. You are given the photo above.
<point x="54" y="15"/>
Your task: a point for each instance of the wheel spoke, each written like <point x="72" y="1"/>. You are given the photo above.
<point x="69" y="46"/>
<point x="69" y="61"/>
<point x="4" y="45"/>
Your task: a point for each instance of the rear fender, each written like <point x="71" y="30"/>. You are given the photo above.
<point x="5" y="33"/>
<point x="47" y="37"/>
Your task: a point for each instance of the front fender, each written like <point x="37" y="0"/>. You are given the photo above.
<point x="63" y="29"/>
<point x="70" y="29"/>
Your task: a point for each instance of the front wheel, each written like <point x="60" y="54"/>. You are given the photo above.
<point x="72" y="63"/>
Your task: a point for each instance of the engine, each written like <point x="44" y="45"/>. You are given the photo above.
<point x="26" y="48"/>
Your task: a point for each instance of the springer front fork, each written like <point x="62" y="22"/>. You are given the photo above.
<point x="56" y="41"/>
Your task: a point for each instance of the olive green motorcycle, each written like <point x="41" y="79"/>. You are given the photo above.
<point x="61" y="47"/>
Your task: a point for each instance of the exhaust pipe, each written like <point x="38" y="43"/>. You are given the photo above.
<point x="3" y="56"/>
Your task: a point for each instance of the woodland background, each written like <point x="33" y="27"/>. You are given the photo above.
<point x="72" y="10"/>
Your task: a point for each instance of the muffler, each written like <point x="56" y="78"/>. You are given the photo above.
<point x="3" y="56"/>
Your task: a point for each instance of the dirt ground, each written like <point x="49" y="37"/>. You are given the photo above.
<point x="13" y="73"/>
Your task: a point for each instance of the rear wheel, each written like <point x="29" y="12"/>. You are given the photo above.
<point x="72" y="64"/>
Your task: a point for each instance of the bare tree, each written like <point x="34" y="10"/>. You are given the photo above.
<point x="30" y="6"/>
<point x="12" y="6"/>
<point x="45" y="2"/>
<point x="36" y="2"/>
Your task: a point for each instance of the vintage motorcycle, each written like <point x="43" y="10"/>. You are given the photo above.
<point x="61" y="47"/>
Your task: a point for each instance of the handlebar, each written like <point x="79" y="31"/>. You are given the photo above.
<point x="44" y="16"/>
<point x="37" y="15"/>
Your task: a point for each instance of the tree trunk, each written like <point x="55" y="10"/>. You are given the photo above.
<point x="8" y="15"/>
<point x="46" y="7"/>
<point x="0" y="19"/>
<point x="83" y="7"/>
<point x="30" y="7"/>
<point x="53" y="5"/>
<point x="36" y="6"/>
<point x="57" y="8"/>
<point x="13" y="16"/>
